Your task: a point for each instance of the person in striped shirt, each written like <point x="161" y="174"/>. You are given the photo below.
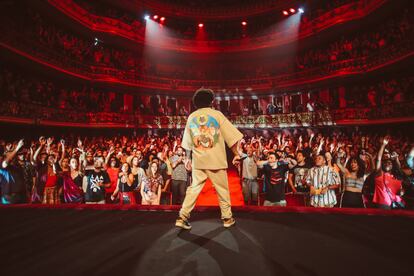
<point x="323" y="181"/>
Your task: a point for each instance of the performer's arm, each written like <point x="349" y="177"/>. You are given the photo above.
<point x="235" y="151"/>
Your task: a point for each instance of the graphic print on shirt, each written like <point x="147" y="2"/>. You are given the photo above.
<point x="205" y="131"/>
<point x="276" y="177"/>
<point x="95" y="181"/>
<point x="300" y="174"/>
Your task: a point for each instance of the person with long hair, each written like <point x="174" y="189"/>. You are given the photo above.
<point x="151" y="186"/>
<point x="71" y="180"/>
<point x="354" y="177"/>
<point x="125" y="186"/>
<point x="137" y="174"/>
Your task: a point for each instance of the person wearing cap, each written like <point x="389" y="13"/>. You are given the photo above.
<point x="205" y="135"/>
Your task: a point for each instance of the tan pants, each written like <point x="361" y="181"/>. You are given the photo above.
<point x="220" y="183"/>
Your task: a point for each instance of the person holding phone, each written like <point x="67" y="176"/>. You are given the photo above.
<point x="124" y="186"/>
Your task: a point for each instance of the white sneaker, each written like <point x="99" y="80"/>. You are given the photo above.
<point x="182" y="223"/>
<point x="228" y="222"/>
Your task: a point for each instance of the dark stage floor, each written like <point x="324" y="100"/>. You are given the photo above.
<point x="132" y="242"/>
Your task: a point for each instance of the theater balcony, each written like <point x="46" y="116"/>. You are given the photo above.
<point x="199" y="42"/>
<point x="30" y="114"/>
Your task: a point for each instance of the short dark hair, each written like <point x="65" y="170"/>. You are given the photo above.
<point x="272" y="153"/>
<point x="323" y="156"/>
<point x="203" y="97"/>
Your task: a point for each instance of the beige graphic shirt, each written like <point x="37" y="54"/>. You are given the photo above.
<point x="206" y="133"/>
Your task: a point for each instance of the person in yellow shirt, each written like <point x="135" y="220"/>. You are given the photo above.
<point x="205" y="135"/>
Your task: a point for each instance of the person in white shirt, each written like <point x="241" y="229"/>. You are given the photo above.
<point x="323" y="181"/>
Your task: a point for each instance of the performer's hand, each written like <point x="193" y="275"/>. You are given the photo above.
<point x="236" y="160"/>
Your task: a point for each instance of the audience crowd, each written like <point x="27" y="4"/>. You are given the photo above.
<point x="322" y="168"/>
<point x="326" y="167"/>
<point x="36" y="97"/>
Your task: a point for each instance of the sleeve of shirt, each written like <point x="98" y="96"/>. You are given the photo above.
<point x="141" y="176"/>
<point x="230" y="133"/>
<point x="335" y="177"/>
<point x="187" y="142"/>
<point x="309" y="177"/>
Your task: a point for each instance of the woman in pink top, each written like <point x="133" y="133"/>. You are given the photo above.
<point x="387" y="187"/>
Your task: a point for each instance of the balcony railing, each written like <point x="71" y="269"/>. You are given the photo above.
<point x="171" y="9"/>
<point x="41" y="115"/>
<point x="43" y="53"/>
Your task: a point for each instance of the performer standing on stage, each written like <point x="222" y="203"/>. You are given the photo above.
<point x="206" y="132"/>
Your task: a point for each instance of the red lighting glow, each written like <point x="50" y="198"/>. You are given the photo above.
<point x="292" y="10"/>
<point x="200" y="25"/>
<point x="244" y="23"/>
<point x="162" y="18"/>
<point x="285" y="13"/>
<point x="155" y="17"/>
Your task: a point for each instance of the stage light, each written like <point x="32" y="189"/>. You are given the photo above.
<point x="301" y="10"/>
<point x="200" y="25"/>
<point x="292" y="10"/>
<point x="146" y="17"/>
<point x="155" y="17"/>
<point x="244" y="23"/>
<point x="285" y="13"/>
<point x="162" y="19"/>
<point x="96" y="41"/>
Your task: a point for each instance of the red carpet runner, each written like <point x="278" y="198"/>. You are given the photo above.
<point x="208" y="196"/>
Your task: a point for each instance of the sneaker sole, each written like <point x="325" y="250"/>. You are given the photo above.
<point x="227" y="225"/>
<point x="183" y="226"/>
